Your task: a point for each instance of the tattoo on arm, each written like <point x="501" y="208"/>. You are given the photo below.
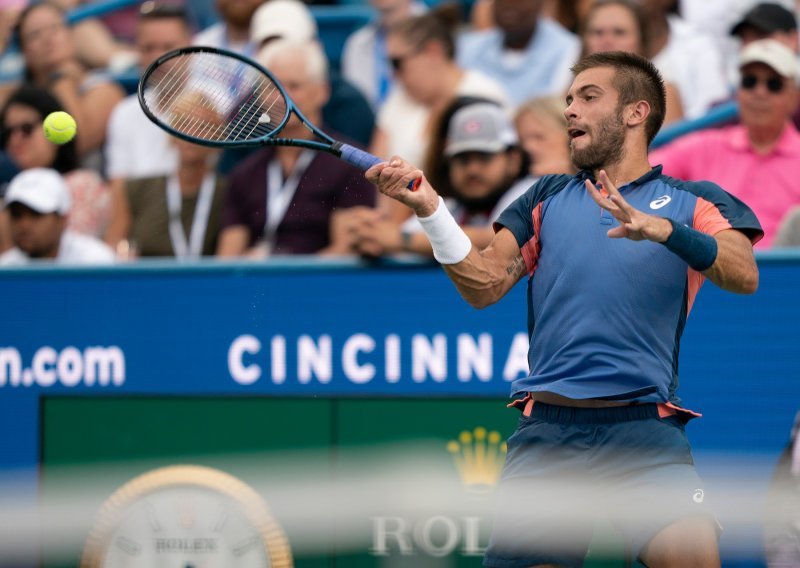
<point x="517" y="267"/>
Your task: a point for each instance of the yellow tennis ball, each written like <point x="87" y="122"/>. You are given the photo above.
<point x="59" y="127"/>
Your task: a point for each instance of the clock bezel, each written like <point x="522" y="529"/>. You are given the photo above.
<point x="253" y="506"/>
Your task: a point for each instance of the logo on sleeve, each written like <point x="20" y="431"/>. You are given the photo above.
<point x="660" y="202"/>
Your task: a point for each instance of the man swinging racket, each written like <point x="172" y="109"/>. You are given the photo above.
<point x="615" y="256"/>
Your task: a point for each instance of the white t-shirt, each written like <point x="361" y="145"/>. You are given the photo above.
<point x="404" y="121"/>
<point x="217" y="36"/>
<point x="74" y="249"/>
<point x="692" y="61"/>
<point x="360" y="62"/>
<point x="135" y="147"/>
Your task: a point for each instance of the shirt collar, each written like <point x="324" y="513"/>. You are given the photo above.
<point x="654" y="172"/>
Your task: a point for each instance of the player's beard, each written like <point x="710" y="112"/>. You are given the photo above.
<point x="606" y="148"/>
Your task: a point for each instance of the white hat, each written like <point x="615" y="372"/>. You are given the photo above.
<point x="282" y="19"/>
<point x="480" y="127"/>
<point x="771" y="53"/>
<point x="42" y="189"/>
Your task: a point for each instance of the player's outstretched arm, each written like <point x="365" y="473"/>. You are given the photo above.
<point x="725" y="258"/>
<point x="485" y="276"/>
<point x="482" y="277"/>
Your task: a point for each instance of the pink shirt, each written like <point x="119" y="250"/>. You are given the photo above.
<point x="768" y="184"/>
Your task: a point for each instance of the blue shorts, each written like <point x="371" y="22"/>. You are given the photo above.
<point x="567" y="468"/>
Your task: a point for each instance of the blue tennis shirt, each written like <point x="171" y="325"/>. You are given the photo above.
<point x="605" y="316"/>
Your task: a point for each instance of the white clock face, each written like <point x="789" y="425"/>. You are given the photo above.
<point x="185" y="527"/>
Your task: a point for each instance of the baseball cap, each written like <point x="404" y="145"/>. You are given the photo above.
<point x="482" y="127"/>
<point x="282" y="19"/>
<point x="42" y="189"/>
<point x="767" y="17"/>
<point x="772" y="53"/>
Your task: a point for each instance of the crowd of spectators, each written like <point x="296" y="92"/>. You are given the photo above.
<point x="420" y="78"/>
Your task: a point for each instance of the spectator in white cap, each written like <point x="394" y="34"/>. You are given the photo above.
<point x="38" y="203"/>
<point x="486" y="171"/>
<point x="281" y="19"/>
<point x="758" y="160"/>
<point x="767" y="20"/>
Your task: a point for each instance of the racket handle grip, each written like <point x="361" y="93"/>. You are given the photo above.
<point x="364" y="161"/>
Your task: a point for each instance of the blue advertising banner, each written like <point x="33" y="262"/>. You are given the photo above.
<point x="343" y="329"/>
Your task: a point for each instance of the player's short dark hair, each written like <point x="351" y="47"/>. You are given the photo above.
<point x="636" y="79"/>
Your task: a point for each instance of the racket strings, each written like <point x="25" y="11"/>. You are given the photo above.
<point x="214" y="97"/>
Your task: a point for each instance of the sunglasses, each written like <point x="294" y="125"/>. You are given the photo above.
<point x="26" y="129"/>
<point x="397" y="62"/>
<point x="774" y="84"/>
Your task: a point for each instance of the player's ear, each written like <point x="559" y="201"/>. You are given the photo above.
<point x="637" y="113"/>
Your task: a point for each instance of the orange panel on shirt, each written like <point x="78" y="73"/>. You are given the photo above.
<point x="707" y="219"/>
<point x="531" y="249"/>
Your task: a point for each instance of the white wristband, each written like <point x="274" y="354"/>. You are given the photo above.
<point x="450" y="244"/>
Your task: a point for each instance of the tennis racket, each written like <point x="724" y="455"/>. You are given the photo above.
<point x="215" y="97"/>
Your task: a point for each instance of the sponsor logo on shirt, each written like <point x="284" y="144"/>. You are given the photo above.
<point x="660" y="202"/>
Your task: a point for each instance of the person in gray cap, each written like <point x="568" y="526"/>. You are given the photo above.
<point x="486" y="171"/>
<point x="38" y="203"/>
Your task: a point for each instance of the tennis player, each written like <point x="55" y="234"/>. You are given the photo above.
<point x="615" y="256"/>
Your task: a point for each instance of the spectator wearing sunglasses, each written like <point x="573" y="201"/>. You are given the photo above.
<point x="22" y="138"/>
<point x="52" y="62"/>
<point x="421" y="53"/>
<point x="364" y="60"/>
<point x="758" y="160"/>
<point x="765" y="21"/>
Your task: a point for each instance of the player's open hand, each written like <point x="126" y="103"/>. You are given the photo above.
<point x="393" y="178"/>
<point x="633" y="224"/>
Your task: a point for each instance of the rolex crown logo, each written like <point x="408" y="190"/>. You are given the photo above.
<point x="479" y="457"/>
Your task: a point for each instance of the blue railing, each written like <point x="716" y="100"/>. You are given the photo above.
<point x="721" y="114"/>
<point x="99" y="9"/>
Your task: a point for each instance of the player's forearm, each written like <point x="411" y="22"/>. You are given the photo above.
<point x="479" y="275"/>
<point x="725" y="258"/>
<point x="479" y="281"/>
<point x="735" y="268"/>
